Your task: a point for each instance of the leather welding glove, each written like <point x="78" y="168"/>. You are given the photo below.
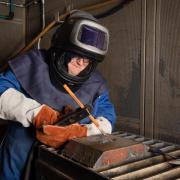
<point x="48" y="116"/>
<point x="16" y="106"/>
<point x="45" y="116"/>
<point x="55" y="136"/>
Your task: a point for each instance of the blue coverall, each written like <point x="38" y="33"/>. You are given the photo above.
<point x="19" y="140"/>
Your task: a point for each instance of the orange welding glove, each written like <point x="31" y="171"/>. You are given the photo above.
<point x="46" y="116"/>
<point x="67" y="109"/>
<point x="55" y="136"/>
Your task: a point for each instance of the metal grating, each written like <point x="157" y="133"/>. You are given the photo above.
<point x="152" y="166"/>
<point x="51" y="164"/>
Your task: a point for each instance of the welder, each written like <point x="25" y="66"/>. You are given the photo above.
<point x="32" y="93"/>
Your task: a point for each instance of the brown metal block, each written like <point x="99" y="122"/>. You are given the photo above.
<point x="97" y="151"/>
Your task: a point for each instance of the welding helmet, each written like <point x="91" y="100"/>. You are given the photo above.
<point x="79" y="35"/>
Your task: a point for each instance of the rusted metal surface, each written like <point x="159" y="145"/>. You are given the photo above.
<point x="97" y="151"/>
<point x="171" y="174"/>
<point x="145" y="172"/>
<point x="137" y="165"/>
<point x="151" y="166"/>
<point x="52" y="163"/>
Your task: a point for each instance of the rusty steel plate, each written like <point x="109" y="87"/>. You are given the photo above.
<point x="97" y="151"/>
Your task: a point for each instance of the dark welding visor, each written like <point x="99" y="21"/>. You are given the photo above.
<point x="90" y="36"/>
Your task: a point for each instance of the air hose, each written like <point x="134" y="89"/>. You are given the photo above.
<point x="113" y="9"/>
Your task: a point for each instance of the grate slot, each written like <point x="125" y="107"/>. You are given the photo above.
<point x="158" y="145"/>
<point x="169" y="148"/>
<point x="145" y="172"/>
<point x="130" y="137"/>
<point x="138" y="165"/>
<point x="171" y="174"/>
<point x="139" y="139"/>
<point x="123" y="134"/>
<point x="149" y="142"/>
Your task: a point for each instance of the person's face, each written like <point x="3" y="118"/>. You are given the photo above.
<point x="77" y="64"/>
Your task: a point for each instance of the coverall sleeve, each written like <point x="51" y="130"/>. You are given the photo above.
<point x="102" y="107"/>
<point x="8" y="80"/>
<point x="14" y="105"/>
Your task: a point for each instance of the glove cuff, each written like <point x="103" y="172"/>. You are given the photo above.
<point x="15" y="106"/>
<point x="104" y="125"/>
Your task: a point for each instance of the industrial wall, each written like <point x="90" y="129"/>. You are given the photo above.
<point x="17" y="29"/>
<point x="142" y="67"/>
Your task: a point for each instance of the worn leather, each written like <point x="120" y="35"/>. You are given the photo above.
<point x="55" y="136"/>
<point x="46" y="116"/>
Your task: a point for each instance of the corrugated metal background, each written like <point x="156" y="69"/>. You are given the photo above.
<point x="15" y="33"/>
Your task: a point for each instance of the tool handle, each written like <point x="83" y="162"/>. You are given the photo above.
<point x="80" y="104"/>
<point x="93" y="120"/>
<point x="73" y="117"/>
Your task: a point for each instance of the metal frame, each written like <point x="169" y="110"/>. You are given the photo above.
<point x="10" y="14"/>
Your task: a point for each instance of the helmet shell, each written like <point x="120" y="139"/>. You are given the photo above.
<point x="68" y="36"/>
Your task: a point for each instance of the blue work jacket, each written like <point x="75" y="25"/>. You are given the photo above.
<point x="17" y="146"/>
